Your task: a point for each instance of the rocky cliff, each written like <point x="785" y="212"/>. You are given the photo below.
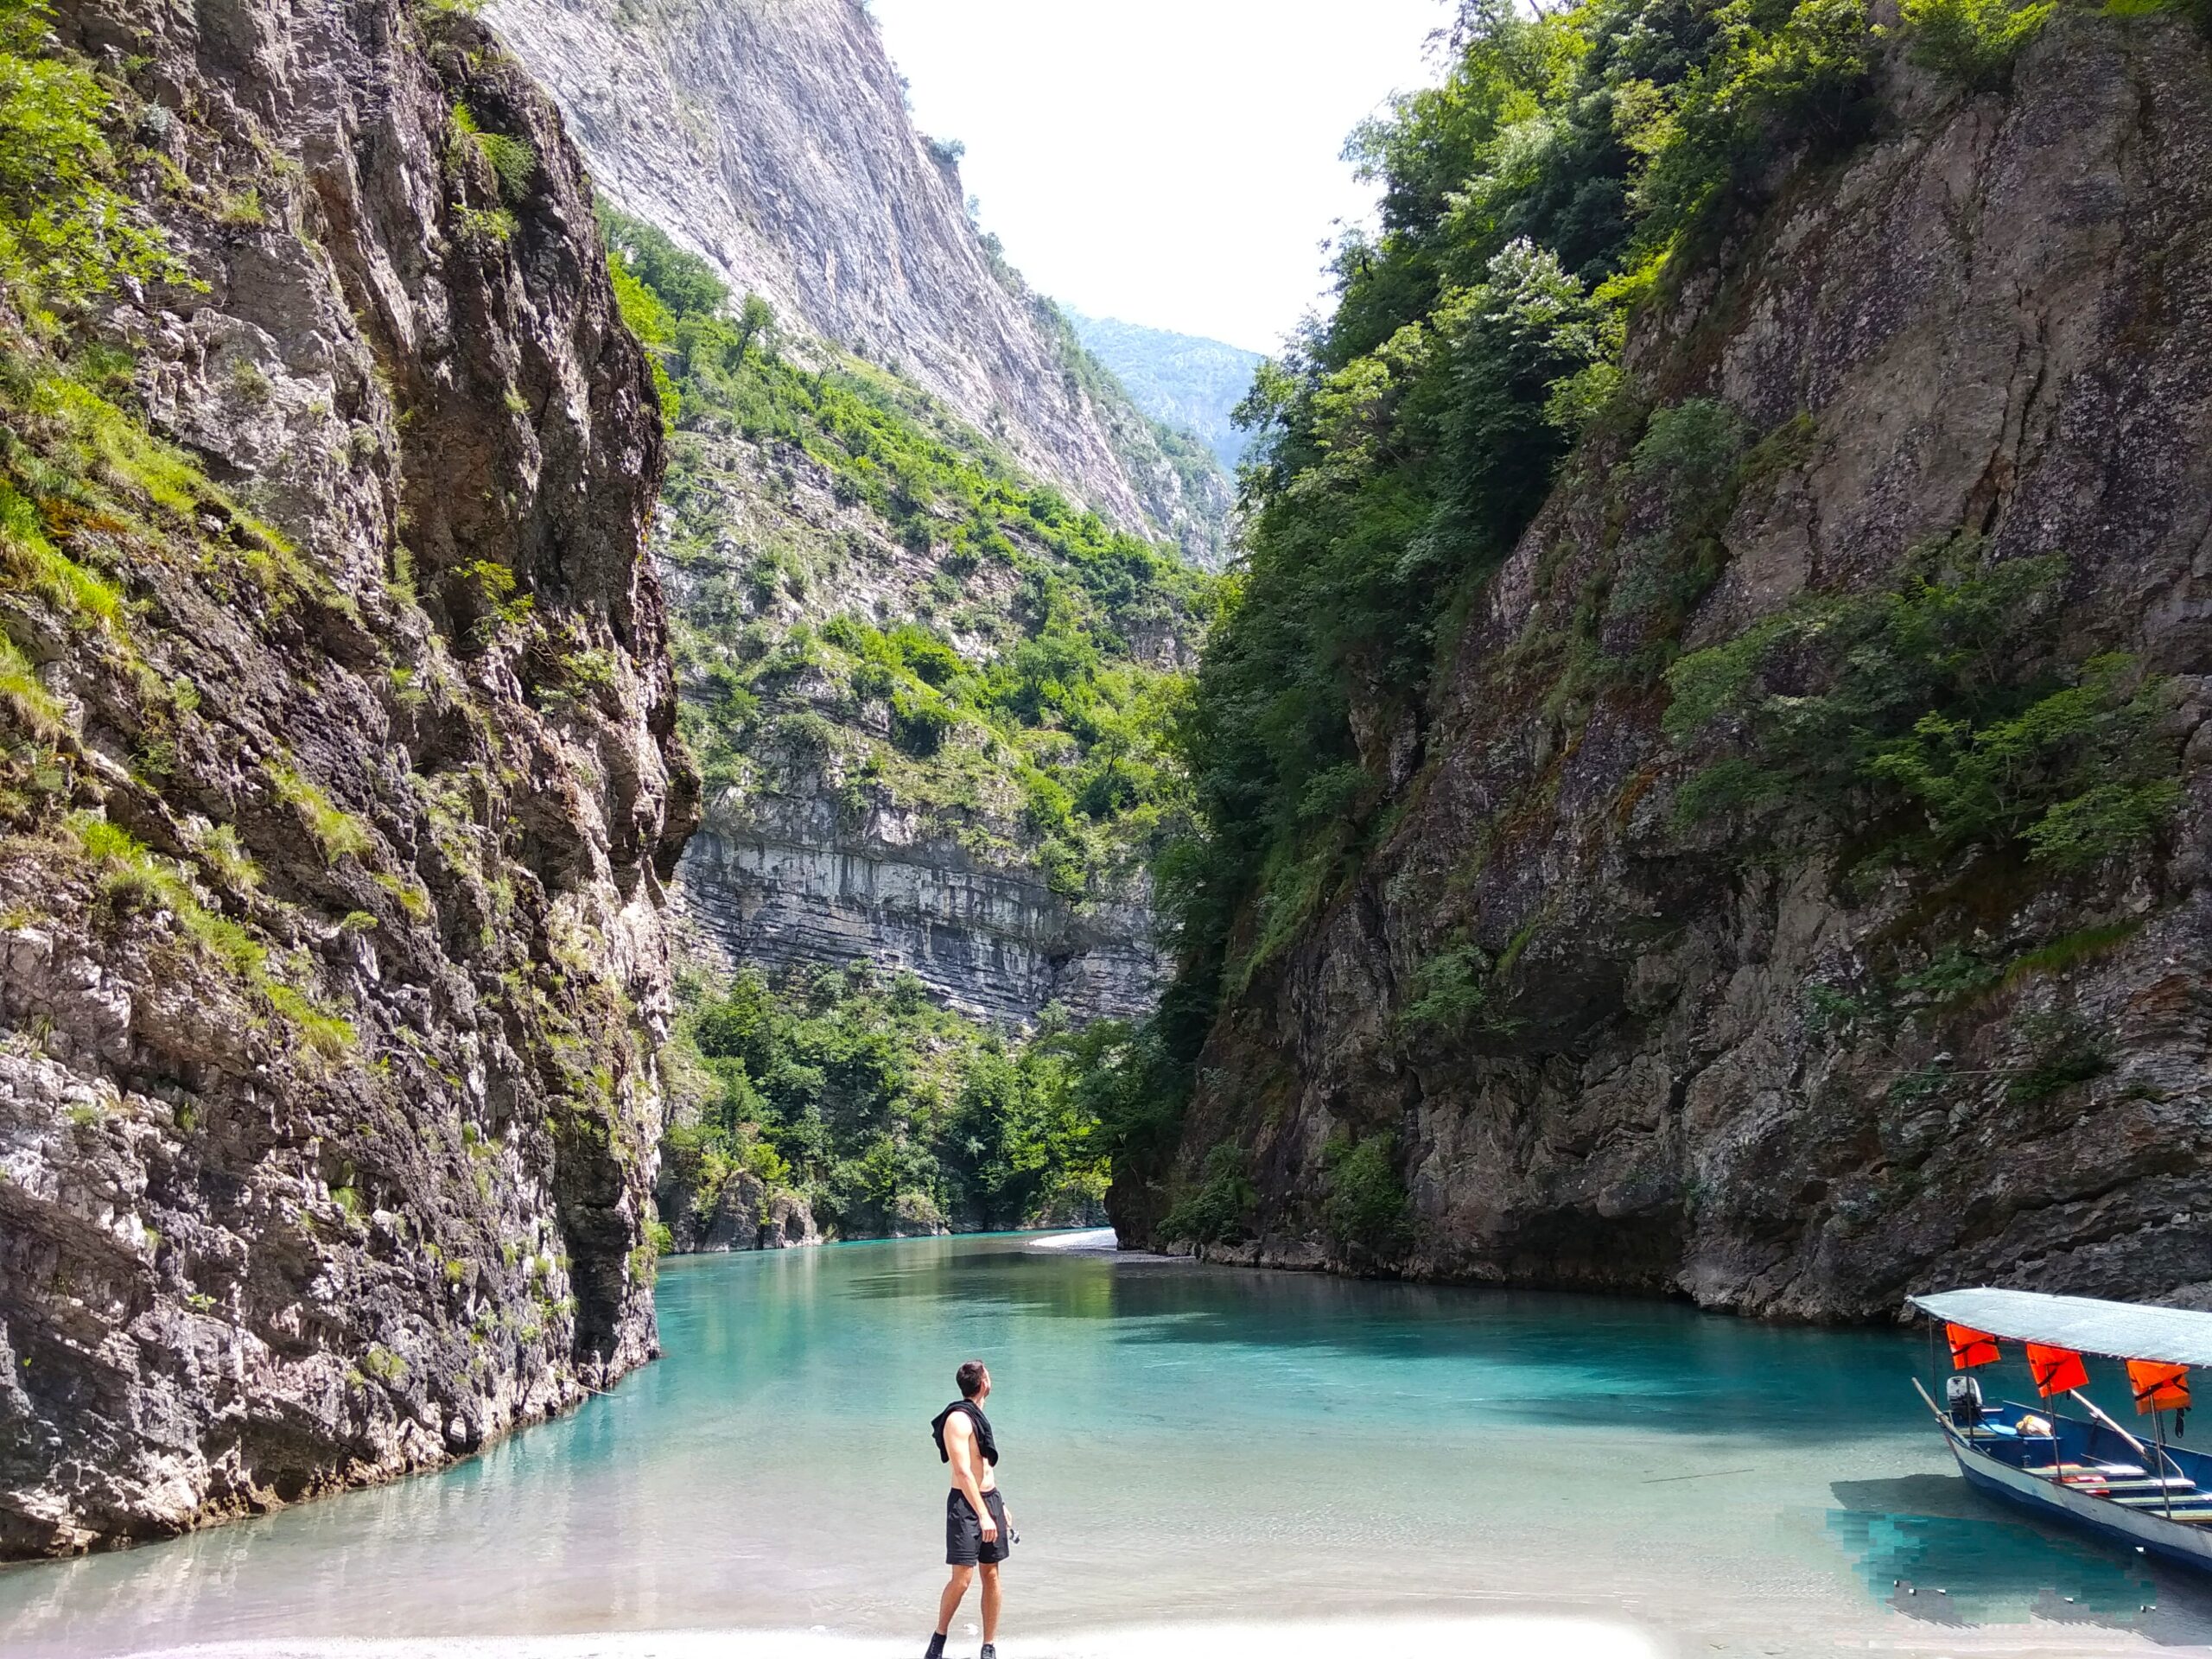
<point x="929" y="694"/>
<point x="781" y="880"/>
<point x="772" y="137"/>
<point x="1621" y="1000"/>
<point x="825" y="841"/>
<point x="340" y="782"/>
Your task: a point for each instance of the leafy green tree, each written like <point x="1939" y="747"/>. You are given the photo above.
<point x="1974" y="42"/>
<point x="1366" y="1209"/>
<point x="681" y="281"/>
<point x="1219" y="1209"/>
<point x="756" y="324"/>
<point x="852" y="1087"/>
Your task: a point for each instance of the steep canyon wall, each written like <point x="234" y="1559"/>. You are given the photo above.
<point x="789" y="885"/>
<point x="772" y="137"/>
<point x="1723" y="1055"/>
<point x="341" y="789"/>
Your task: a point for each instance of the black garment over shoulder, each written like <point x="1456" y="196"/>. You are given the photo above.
<point x="973" y="1413"/>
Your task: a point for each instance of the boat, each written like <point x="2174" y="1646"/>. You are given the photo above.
<point x="2088" y="1470"/>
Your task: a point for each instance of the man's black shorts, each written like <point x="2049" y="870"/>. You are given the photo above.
<point x="964" y="1545"/>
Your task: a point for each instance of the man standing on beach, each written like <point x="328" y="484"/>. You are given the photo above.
<point x="977" y="1533"/>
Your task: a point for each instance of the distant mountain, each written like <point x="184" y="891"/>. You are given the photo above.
<point x="1177" y="379"/>
<point x="772" y="137"/>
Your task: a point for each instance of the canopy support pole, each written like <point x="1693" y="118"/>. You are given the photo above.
<point x="2158" y="1428"/>
<point x="2166" y="1465"/>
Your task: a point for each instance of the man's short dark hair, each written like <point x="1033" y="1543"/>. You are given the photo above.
<point x="970" y="1377"/>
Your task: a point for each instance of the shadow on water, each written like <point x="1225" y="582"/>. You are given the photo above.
<point x="1936" y="1551"/>
<point x="1556" y="1359"/>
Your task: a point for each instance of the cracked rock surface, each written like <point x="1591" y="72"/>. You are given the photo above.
<point x="1996" y="317"/>
<point x="327" y="1114"/>
<point x="772" y="137"/>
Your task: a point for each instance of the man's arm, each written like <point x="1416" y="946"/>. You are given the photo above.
<point x="960" y="1441"/>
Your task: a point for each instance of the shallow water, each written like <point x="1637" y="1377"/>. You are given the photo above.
<point x="1181" y="1444"/>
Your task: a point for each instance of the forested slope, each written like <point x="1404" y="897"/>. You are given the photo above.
<point x="932" y="701"/>
<point x="1194" y="385"/>
<point x="1703" y="784"/>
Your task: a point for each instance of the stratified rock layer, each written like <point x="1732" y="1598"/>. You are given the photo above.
<point x="413" y="759"/>
<point x="1998" y="316"/>
<point x="782" y="883"/>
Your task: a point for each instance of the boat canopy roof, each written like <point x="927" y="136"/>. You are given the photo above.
<point x="2116" y="1330"/>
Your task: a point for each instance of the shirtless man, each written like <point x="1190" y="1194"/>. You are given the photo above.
<point x="978" y="1531"/>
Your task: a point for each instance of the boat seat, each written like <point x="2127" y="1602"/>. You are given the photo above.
<point x="2157" y="1482"/>
<point x="2111" y="1471"/>
<point x="2113" y="1477"/>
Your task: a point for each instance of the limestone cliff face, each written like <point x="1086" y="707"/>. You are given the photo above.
<point x="782" y="881"/>
<point x="331" y="897"/>
<point x="1710" y="1066"/>
<point x="772" y="137"/>
<point x="813" y="858"/>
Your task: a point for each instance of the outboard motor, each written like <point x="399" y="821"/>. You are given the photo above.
<point x="1963" y="1397"/>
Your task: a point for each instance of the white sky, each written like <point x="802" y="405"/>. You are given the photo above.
<point x="1170" y="162"/>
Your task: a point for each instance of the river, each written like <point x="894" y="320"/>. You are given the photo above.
<point x="1213" y="1453"/>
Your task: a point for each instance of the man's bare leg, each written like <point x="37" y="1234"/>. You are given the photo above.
<point x="955" y="1587"/>
<point x="991" y="1594"/>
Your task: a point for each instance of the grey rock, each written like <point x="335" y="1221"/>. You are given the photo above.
<point x="1998" y="315"/>
<point x="772" y="137"/>
<point x="241" y="1263"/>
<point x="785" y="884"/>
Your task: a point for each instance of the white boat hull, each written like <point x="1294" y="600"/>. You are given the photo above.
<point x="2144" y="1529"/>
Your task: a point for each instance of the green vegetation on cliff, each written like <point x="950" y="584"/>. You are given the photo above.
<point x="90" y="500"/>
<point x="1016" y="678"/>
<point x="1572" y="167"/>
<point x="886" y="1113"/>
<point x="1946" y="720"/>
<point x="68" y="233"/>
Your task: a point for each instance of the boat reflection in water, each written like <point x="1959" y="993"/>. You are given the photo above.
<point x="2090" y="1472"/>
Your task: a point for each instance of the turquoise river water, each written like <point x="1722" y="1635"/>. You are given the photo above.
<point x="1207" y="1458"/>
